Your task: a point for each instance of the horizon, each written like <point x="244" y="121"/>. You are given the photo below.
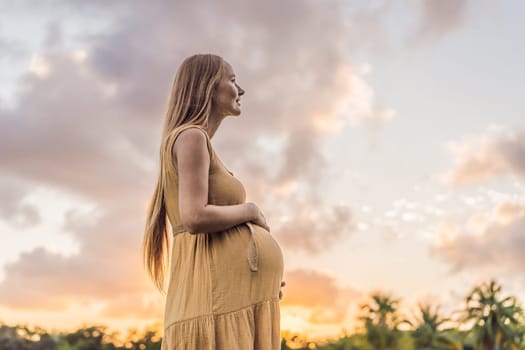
<point x="122" y="335"/>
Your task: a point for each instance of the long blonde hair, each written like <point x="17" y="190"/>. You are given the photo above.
<point x="190" y="102"/>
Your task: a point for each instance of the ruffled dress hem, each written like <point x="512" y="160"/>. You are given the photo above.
<point x="248" y="328"/>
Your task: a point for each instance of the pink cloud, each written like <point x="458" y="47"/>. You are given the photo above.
<point x="487" y="156"/>
<point x="319" y="292"/>
<point x="497" y="244"/>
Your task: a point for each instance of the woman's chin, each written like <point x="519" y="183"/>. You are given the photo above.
<point x="236" y="113"/>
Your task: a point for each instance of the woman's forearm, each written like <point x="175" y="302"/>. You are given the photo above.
<point x="214" y="218"/>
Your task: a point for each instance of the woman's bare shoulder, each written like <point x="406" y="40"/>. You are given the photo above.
<point x="190" y="141"/>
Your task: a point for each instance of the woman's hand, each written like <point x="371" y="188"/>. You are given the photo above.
<point x="258" y="217"/>
<point x="283" y="283"/>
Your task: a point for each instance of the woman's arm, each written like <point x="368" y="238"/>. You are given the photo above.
<point x="192" y="157"/>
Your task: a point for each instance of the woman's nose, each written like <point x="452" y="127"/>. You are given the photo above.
<point x="241" y="91"/>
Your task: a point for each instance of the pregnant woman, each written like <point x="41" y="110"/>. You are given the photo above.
<point x="225" y="272"/>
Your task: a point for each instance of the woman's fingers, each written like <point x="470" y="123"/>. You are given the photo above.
<point x="283" y="283"/>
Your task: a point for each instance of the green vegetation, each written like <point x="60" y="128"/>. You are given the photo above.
<point x="487" y="322"/>
<point x="90" y="338"/>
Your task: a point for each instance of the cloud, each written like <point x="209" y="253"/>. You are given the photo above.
<point x="437" y="19"/>
<point x="489" y="241"/>
<point x="368" y="25"/>
<point x="314" y="231"/>
<point x="12" y="207"/>
<point x="101" y="109"/>
<point x="376" y="26"/>
<point x="66" y="133"/>
<point x="319" y="292"/>
<point x="362" y="102"/>
<point x="106" y="277"/>
<point x="109" y="265"/>
<point x="495" y="153"/>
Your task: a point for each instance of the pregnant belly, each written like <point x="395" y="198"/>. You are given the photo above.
<point x="230" y="265"/>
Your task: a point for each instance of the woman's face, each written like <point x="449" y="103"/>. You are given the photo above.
<point x="227" y="97"/>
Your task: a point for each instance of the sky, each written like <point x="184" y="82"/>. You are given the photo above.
<point x="384" y="141"/>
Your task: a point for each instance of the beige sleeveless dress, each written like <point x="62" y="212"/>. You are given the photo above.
<point x="224" y="286"/>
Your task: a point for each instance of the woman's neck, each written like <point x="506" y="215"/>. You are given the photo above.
<point x="213" y="125"/>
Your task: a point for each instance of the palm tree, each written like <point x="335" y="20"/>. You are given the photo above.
<point x="381" y="321"/>
<point x="496" y="321"/>
<point x="429" y="333"/>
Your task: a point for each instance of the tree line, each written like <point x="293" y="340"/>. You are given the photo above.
<point x="488" y="321"/>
